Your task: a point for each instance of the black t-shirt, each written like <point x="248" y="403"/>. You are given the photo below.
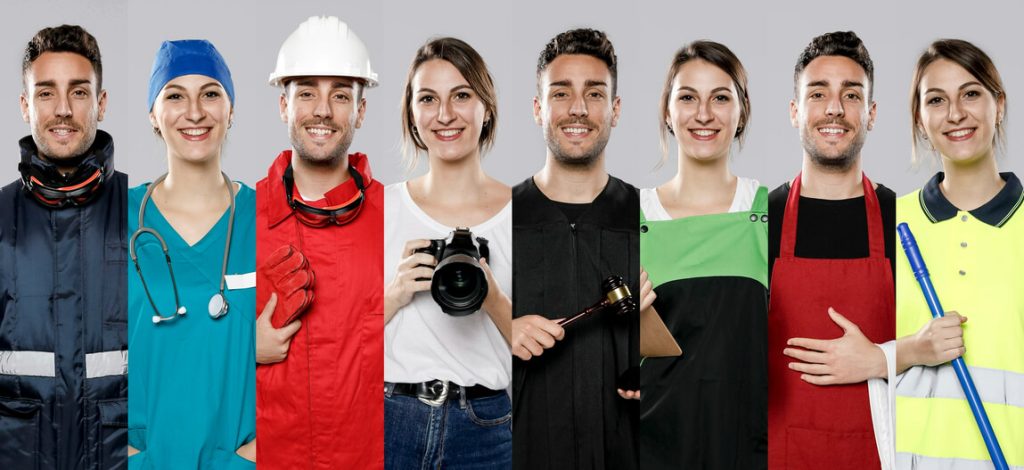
<point x="573" y="211"/>
<point x="831" y="229"/>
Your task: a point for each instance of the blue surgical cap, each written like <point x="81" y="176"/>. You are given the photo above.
<point x="188" y="57"/>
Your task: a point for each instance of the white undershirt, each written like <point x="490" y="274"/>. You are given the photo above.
<point x="742" y="200"/>
<point x="422" y="343"/>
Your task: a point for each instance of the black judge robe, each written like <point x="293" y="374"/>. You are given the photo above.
<point x="566" y="411"/>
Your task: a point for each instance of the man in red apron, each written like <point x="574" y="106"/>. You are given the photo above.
<point x="319" y="244"/>
<point x="831" y="251"/>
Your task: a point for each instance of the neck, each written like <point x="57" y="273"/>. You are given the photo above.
<point x="572" y="183"/>
<point x="312" y="181"/>
<point x="969" y="186"/>
<point x="700" y="180"/>
<point x="453" y="181"/>
<point x="193" y="183"/>
<point x="825" y="183"/>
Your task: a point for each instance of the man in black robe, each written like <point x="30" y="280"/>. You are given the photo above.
<point x="573" y="226"/>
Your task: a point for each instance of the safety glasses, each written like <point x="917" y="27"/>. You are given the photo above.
<point x="74" y="195"/>
<point x="339" y="214"/>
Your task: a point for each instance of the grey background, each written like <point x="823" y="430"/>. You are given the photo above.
<point x="767" y="36"/>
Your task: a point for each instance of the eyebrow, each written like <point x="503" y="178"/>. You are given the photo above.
<point x="312" y="83"/>
<point x="454" y="88"/>
<point x="207" y="85"/>
<point x="961" y="87"/>
<point x="72" y="82"/>
<point x="694" y="90"/>
<point x="846" y="84"/>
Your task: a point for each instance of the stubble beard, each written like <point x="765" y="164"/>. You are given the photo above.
<point x="566" y="158"/>
<point x="315" y="156"/>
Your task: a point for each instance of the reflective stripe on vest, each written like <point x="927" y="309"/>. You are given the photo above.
<point x="994" y="385"/>
<point x="919" y="462"/>
<point x="43" y="364"/>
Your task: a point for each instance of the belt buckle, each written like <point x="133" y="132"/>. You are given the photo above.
<point x="440" y="396"/>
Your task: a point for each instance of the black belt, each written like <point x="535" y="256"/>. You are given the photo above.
<point x="436" y="392"/>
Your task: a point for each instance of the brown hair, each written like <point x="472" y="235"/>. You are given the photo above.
<point x="64" y="38"/>
<point x="972" y="59"/>
<point x="468" y="62"/>
<point x="584" y="41"/>
<point x="715" y="54"/>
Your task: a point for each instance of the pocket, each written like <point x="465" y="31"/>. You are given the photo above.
<point x="112" y="438"/>
<point x="229" y="460"/>
<point x="490" y="411"/>
<point x="19" y="433"/>
<point x="814" y="449"/>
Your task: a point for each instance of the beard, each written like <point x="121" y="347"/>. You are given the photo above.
<point x="837" y="162"/>
<point x="565" y="156"/>
<point x="320" y="156"/>
<point x="59" y="156"/>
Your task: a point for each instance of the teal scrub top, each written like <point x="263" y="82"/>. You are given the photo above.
<point x="192" y="380"/>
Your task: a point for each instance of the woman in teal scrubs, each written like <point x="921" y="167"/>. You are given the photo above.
<point x="190" y="316"/>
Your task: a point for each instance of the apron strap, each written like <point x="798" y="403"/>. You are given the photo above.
<point x="876" y="237"/>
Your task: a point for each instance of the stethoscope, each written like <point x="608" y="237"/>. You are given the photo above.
<point x="218" y="305"/>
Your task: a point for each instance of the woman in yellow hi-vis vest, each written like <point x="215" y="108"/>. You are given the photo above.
<point x="970" y="234"/>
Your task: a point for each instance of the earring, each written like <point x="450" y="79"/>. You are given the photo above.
<point x="670" y="130"/>
<point x="156" y="130"/>
<point x="231" y="123"/>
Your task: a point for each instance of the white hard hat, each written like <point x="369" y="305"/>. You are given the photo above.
<point x="323" y="46"/>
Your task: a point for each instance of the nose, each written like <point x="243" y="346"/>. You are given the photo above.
<point x="578" y="107"/>
<point x="835" y="107"/>
<point x="196" y="112"/>
<point x="323" y="107"/>
<point x="63" y="108"/>
<point x="955" y="113"/>
<point x="704" y="114"/>
<point x="444" y="113"/>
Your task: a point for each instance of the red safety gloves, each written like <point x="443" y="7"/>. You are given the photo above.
<point x="287" y="272"/>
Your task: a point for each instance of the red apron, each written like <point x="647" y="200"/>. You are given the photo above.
<point x="811" y="426"/>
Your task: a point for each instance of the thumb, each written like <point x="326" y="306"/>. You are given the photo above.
<point x="840" y="320"/>
<point x="268" y="309"/>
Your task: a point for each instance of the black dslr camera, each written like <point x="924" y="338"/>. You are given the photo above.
<point x="459" y="284"/>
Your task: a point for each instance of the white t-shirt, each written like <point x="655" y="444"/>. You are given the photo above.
<point x="422" y="343"/>
<point x="746" y="191"/>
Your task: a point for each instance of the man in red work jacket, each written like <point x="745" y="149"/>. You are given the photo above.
<point x="319" y="245"/>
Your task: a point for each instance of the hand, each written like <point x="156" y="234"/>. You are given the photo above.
<point x="629" y="394"/>
<point x="532" y="334"/>
<point x="399" y="292"/>
<point x="647" y="295"/>
<point x="272" y="343"/>
<point x="497" y="305"/>
<point x="939" y="341"/>
<point x="852" y="358"/>
<point x="248" y="451"/>
<point x="132" y="451"/>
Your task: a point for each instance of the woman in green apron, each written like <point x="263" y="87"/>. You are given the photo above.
<point x="704" y="246"/>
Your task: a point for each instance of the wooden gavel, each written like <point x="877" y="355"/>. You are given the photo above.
<point x="616" y="296"/>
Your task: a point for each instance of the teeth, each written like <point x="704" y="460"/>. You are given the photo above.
<point x="449" y="132"/>
<point x="195" y="132"/>
<point x="576" y="130"/>
<point x="319" y="131"/>
<point x="705" y="132"/>
<point x="62" y="132"/>
<point x="961" y="132"/>
<point x="832" y="130"/>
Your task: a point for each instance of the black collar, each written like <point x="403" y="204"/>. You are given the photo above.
<point x="996" y="212"/>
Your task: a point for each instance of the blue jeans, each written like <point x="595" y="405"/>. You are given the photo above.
<point x="463" y="434"/>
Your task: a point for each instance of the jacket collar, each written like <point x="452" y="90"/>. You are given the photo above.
<point x="278" y="208"/>
<point x="606" y="209"/>
<point x="996" y="212"/>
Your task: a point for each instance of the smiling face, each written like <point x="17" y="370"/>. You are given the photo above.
<point x="62" y="105"/>
<point x="957" y="113"/>
<point x="192" y="113"/>
<point x="322" y="115"/>
<point x="703" y="110"/>
<point x="576" y="108"/>
<point x="832" y="111"/>
<point x="449" y="115"/>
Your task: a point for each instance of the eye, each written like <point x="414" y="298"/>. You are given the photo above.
<point x="686" y="98"/>
<point x="426" y="99"/>
<point x="305" y="94"/>
<point x="817" y="95"/>
<point x="597" y="95"/>
<point x="45" y="94"/>
<point x="972" y="94"/>
<point x="559" y="94"/>
<point x="934" y="101"/>
<point x="722" y="98"/>
<point x="173" y="96"/>
<point x="80" y="93"/>
<point x="462" y="96"/>
<point x="853" y="96"/>
<point x="210" y="95"/>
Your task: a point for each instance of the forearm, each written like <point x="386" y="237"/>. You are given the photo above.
<point x="906" y="354"/>
<point x="499" y="309"/>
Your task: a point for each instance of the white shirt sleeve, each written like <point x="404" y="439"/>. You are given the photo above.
<point x="882" y="396"/>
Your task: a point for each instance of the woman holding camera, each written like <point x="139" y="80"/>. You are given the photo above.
<point x="446" y="374"/>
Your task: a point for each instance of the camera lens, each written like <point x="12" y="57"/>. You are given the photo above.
<point x="459" y="285"/>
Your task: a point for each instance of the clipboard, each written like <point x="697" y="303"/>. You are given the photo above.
<point x="655" y="339"/>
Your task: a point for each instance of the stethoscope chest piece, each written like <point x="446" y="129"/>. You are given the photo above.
<point x="218" y="306"/>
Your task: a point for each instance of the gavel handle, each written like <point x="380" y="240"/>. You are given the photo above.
<point x="593" y="308"/>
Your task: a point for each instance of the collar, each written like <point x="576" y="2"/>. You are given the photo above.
<point x="278" y="208"/>
<point x="99" y="155"/>
<point x="996" y="212"/>
<point x="615" y="207"/>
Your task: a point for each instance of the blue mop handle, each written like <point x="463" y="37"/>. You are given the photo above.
<point x="966" y="383"/>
